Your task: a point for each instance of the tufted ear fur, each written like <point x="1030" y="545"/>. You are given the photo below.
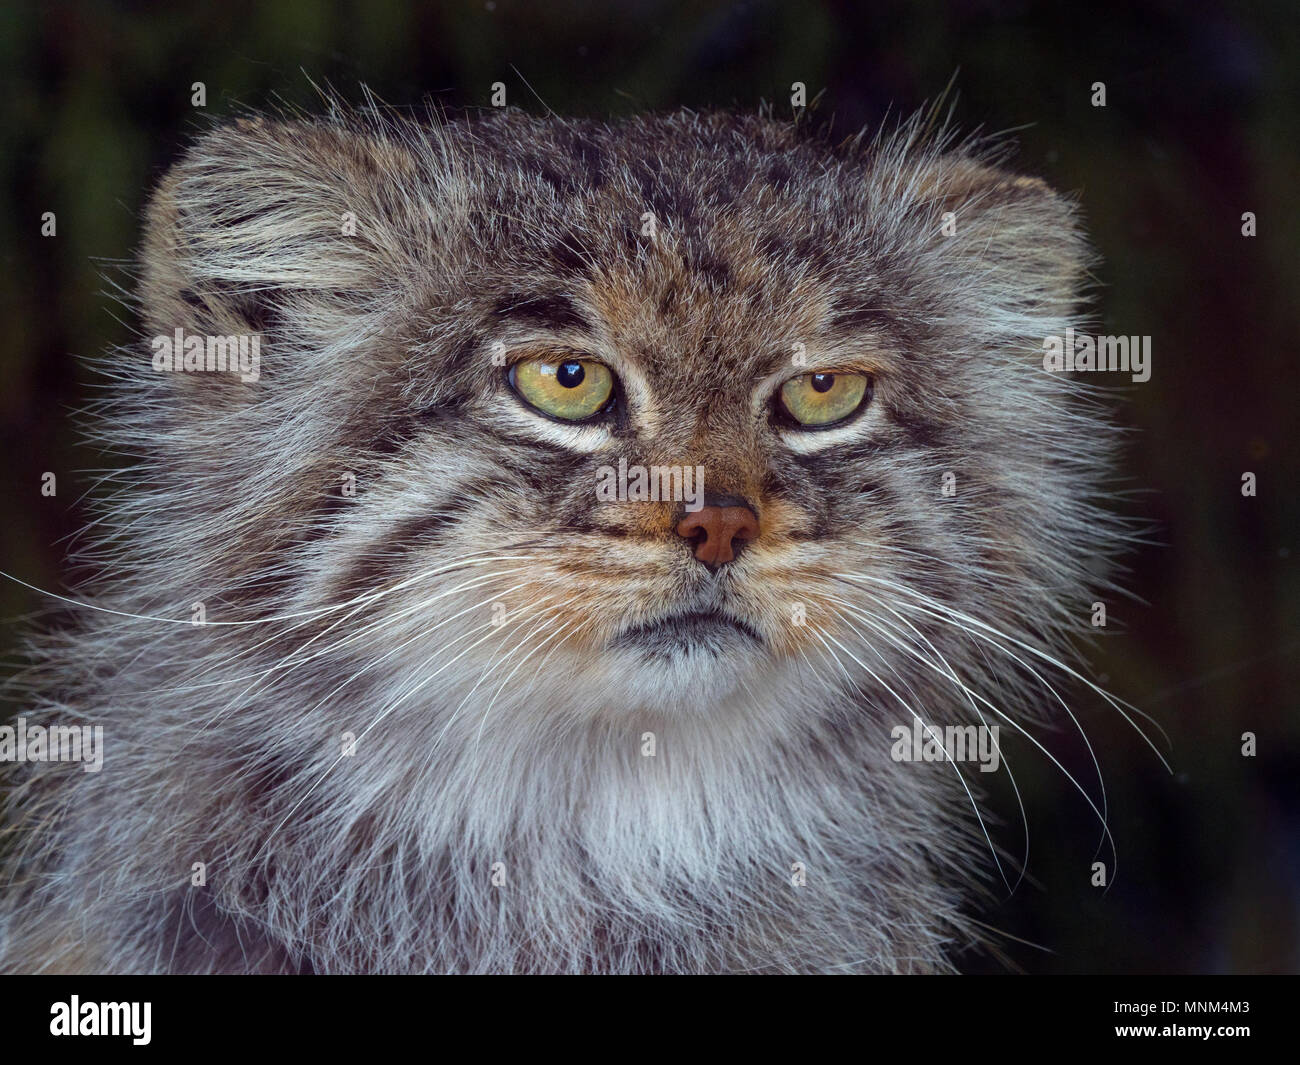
<point x="1018" y="237"/>
<point x="276" y="229"/>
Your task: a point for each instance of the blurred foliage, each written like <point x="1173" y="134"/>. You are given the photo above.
<point x="1200" y="125"/>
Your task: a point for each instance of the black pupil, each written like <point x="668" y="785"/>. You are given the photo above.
<point x="570" y="374"/>
<point x="822" y="382"/>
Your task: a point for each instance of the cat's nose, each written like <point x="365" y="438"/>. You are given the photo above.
<point x="720" y="529"/>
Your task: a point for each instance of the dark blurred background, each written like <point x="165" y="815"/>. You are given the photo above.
<point x="1200" y="126"/>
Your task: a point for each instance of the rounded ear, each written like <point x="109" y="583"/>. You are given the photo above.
<point x="1021" y="240"/>
<point x="261" y="214"/>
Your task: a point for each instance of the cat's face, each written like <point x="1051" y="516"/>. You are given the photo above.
<point x="474" y="339"/>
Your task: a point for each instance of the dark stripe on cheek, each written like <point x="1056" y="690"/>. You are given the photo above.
<point x="379" y="565"/>
<point x="367" y="573"/>
<point x="427" y="529"/>
<point x="921" y="430"/>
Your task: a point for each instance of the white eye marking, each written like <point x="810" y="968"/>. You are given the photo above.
<point x="583" y="438"/>
<point x="806" y="442"/>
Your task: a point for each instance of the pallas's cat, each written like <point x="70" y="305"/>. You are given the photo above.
<point x="534" y="561"/>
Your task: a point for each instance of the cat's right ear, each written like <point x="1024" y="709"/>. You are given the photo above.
<point x="265" y="220"/>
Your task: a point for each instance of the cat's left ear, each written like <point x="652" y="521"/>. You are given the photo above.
<point x="1016" y="243"/>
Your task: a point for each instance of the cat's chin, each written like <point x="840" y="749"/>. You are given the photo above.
<point x="692" y="681"/>
<point x="681" y="664"/>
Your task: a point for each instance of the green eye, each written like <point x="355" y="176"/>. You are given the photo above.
<point x="569" y="389"/>
<point x="818" y="399"/>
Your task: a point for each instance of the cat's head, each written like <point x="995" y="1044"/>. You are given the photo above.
<point x="473" y="337"/>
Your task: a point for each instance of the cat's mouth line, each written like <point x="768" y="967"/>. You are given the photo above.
<point x="686" y="626"/>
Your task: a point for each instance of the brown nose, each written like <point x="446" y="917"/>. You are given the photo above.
<point x="724" y="529"/>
